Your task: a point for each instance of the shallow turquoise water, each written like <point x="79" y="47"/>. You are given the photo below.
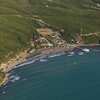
<point x="67" y="77"/>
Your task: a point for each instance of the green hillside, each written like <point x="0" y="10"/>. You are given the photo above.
<point x="70" y="15"/>
<point x="15" y="34"/>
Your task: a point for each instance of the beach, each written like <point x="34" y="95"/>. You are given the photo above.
<point x="24" y="57"/>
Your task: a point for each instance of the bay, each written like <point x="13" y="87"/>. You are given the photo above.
<point x="74" y="75"/>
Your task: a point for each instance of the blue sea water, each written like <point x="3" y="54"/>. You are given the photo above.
<point x="71" y="75"/>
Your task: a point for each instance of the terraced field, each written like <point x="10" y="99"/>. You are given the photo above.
<point x="74" y="16"/>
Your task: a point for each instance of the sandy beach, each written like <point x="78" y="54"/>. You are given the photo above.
<point x="22" y="57"/>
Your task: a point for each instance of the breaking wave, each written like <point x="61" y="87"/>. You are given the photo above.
<point x="56" y="54"/>
<point x="14" y="78"/>
<point x="43" y="60"/>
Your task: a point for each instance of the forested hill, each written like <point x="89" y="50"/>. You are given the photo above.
<point x="74" y="16"/>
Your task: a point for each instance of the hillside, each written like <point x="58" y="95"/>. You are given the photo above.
<point x="74" y="16"/>
<point x="96" y="1"/>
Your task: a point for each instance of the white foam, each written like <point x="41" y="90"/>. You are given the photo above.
<point x="71" y="53"/>
<point x="3" y="92"/>
<point x="56" y="55"/>
<point x="31" y="61"/>
<point x="14" y="78"/>
<point x="43" y="60"/>
<point x="80" y="53"/>
<point x="26" y="63"/>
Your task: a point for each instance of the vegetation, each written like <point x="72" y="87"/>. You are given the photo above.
<point x="70" y="15"/>
<point x="96" y="1"/>
<point x="2" y="76"/>
<point x="92" y="38"/>
<point x="15" y="34"/>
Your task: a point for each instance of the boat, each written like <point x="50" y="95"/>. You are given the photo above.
<point x="86" y="50"/>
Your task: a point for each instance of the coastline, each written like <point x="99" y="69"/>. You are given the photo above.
<point x="14" y="61"/>
<point x="23" y="57"/>
<point x="5" y="67"/>
<point x="4" y="81"/>
<point x="41" y="53"/>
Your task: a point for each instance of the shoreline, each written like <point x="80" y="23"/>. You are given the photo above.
<point x="23" y="57"/>
<point x="4" y="81"/>
<point x="14" y="61"/>
<point x="44" y="52"/>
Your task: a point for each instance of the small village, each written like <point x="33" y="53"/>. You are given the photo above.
<point x="47" y="39"/>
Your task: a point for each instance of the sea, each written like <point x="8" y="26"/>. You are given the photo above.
<point x="72" y="75"/>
